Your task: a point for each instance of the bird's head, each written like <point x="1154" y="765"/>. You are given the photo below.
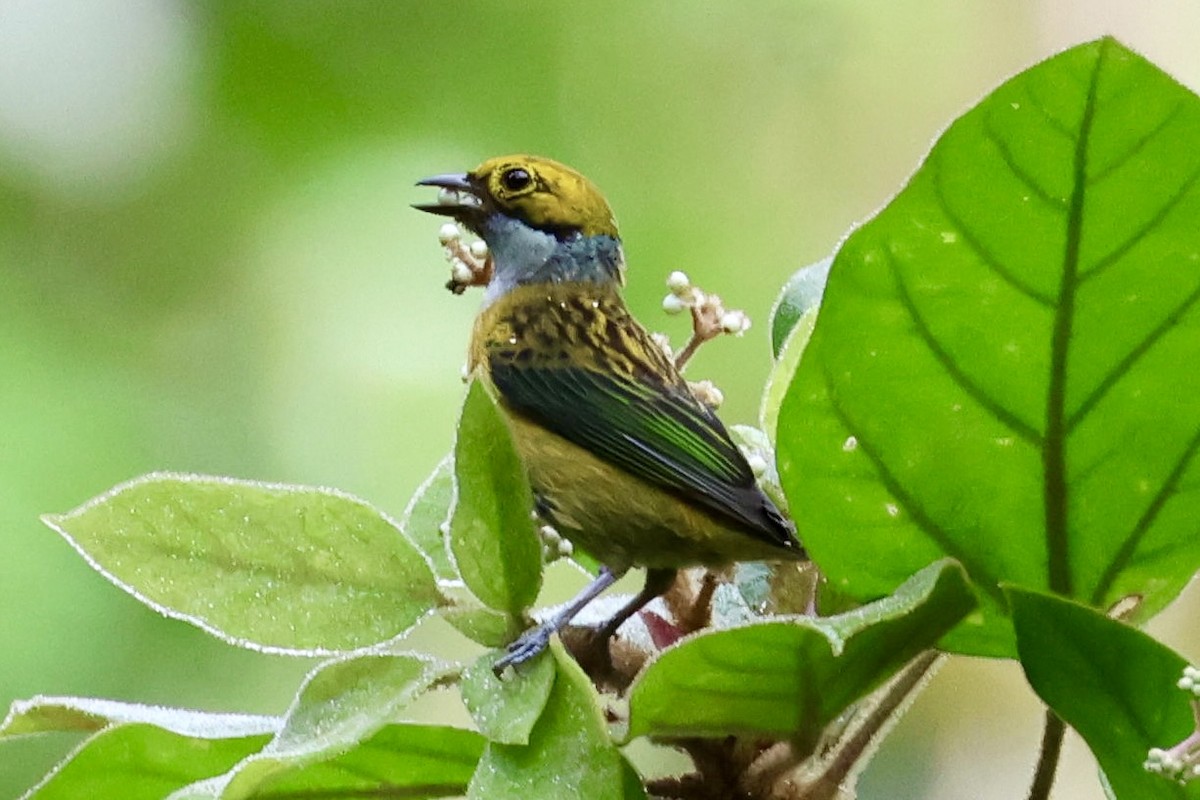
<point x="542" y="220"/>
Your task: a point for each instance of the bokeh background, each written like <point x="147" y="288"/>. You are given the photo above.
<point x="208" y="263"/>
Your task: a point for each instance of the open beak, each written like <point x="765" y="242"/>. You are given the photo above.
<point x="458" y="198"/>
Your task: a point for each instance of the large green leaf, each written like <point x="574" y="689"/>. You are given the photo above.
<point x="1002" y="370"/>
<point x="569" y="753"/>
<point x="1112" y="683"/>
<point x="792" y="676"/>
<point x="492" y="534"/>
<point x="265" y="566"/>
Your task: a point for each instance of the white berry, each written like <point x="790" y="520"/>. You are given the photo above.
<point x="735" y="322"/>
<point x="678" y="282"/>
<point x="461" y="273"/>
<point x="672" y="304"/>
<point x="449" y="233"/>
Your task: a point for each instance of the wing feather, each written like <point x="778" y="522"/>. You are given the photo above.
<point x="658" y="431"/>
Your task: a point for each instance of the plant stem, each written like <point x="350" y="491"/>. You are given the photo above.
<point x="1052" y="738"/>
<point x="852" y="749"/>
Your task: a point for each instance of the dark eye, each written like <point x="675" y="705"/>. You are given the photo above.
<point x="516" y="179"/>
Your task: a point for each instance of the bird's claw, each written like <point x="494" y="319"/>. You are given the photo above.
<point x="527" y="646"/>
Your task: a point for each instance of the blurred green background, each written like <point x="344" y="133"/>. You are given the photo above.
<point x="208" y="264"/>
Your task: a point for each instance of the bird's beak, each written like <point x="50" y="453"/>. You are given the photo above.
<point x="460" y="201"/>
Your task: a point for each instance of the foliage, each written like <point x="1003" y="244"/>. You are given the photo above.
<point x="986" y="439"/>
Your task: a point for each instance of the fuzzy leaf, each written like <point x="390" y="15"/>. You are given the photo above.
<point x="1112" y="683"/>
<point x="491" y="532"/>
<point x="424" y="760"/>
<point x="89" y="715"/>
<point x="569" y="754"/>
<point x="264" y="566"/>
<point x="792" y="676"/>
<point x="998" y="370"/>
<point x="801" y="297"/>
<point x="505" y="710"/>
<point x="427" y="518"/>
<point x="139" y="761"/>
<point x="340" y="704"/>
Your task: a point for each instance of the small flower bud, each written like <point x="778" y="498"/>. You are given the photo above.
<point x="448" y="197"/>
<point x="461" y="273"/>
<point x="672" y="304"/>
<point x="735" y="322"/>
<point x="757" y="464"/>
<point x="479" y="249"/>
<point x="565" y="548"/>
<point x="679" y="283"/>
<point x="664" y="343"/>
<point x="707" y="392"/>
<point x="449" y="233"/>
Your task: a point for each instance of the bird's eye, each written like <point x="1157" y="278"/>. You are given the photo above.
<point x="516" y="179"/>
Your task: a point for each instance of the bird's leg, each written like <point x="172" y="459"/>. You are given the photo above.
<point x="657" y="582"/>
<point x="535" y="640"/>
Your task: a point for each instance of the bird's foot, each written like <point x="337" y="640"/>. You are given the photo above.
<point x="527" y="646"/>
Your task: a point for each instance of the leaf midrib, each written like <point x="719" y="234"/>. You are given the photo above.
<point x="1054" y="462"/>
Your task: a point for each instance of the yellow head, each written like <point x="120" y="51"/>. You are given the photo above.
<point x="543" y="222"/>
<point x="536" y="191"/>
<point x="544" y="194"/>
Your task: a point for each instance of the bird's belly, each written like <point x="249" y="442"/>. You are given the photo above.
<point x="622" y="520"/>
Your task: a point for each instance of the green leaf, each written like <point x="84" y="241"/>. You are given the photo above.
<point x="792" y="676"/>
<point x="477" y="622"/>
<point x="427" y="519"/>
<point x="782" y="372"/>
<point x="340" y="704"/>
<point x="569" y="755"/>
<point x="136" y="761"/>
<point x="1112" y="683"/>
<point x="438" y="759"/>
<point x="491" y="531"/>
<point x="505" y="710"/>
<point x="800" y="298"/>
<point x="89" y="714"/>
<point x="264" y="566"/>
<point x="998" y="372"/>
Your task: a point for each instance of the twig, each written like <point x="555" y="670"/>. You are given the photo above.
<point x="1052" y="738"/>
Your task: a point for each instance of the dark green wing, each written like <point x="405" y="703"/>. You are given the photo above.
<point x="658" y="432"/>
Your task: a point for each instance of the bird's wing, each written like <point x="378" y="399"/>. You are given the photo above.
<point x="649" y="425"/>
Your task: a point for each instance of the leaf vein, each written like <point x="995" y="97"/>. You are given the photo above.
<point x="974" y="566"/>
<point x="1134" y="238"/>
<point x="1140" y="144"/>
<point x="1129" y="546"/>
<point x="1054" y="457"/>
<point x="989" y="259"/>
<point x="1132" y="357"/>
<point x="1023" y="429"/>
<point x="1006" y="155"/>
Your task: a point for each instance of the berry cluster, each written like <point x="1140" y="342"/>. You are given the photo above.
<point x="1181" y="763"/>
<point x="469" y="263"/>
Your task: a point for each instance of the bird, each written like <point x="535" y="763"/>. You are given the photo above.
<point x="623" y="459"/>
